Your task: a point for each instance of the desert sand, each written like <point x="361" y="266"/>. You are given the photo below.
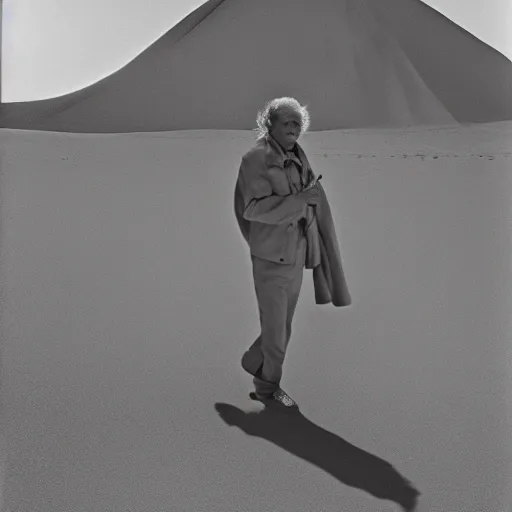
<point x="356" y="63"/>
<point x="127" y="302"/>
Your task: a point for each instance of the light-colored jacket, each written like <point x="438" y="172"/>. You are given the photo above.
<point x="268" y="214"/>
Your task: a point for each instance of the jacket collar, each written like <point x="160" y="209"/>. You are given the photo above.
<point x="275" y="155"/>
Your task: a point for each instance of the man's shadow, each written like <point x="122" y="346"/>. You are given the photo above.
<point x="290" y="430"/>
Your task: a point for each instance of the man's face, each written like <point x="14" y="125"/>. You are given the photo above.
<point x="286" y="127"/>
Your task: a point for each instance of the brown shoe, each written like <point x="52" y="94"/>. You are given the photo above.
<point x="278" y="396"/>
<point x="283" y="398"/>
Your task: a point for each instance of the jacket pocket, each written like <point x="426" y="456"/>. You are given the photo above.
<point x="273" y="242"/>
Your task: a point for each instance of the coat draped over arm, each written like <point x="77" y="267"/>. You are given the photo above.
<point x="255" y="202"/>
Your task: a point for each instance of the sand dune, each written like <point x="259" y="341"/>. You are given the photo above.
<point x="357" y="63"/>
<point x="127" y="302"/>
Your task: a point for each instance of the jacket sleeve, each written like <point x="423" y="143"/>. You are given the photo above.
<point x="260" y="204"/>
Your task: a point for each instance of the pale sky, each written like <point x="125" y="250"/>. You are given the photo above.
<point x="55" y="47"/>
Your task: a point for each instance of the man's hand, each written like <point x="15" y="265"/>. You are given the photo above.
<point x="311" y="193"/>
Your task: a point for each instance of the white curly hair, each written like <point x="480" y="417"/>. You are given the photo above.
<point x="268" y="114"/>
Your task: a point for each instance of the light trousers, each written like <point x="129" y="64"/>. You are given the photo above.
<point x="277" y="289"/>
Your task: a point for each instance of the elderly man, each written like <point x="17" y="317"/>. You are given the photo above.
<point x="276" y="196"/>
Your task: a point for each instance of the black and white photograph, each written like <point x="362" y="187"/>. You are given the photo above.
<point x="255" y="256"/>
